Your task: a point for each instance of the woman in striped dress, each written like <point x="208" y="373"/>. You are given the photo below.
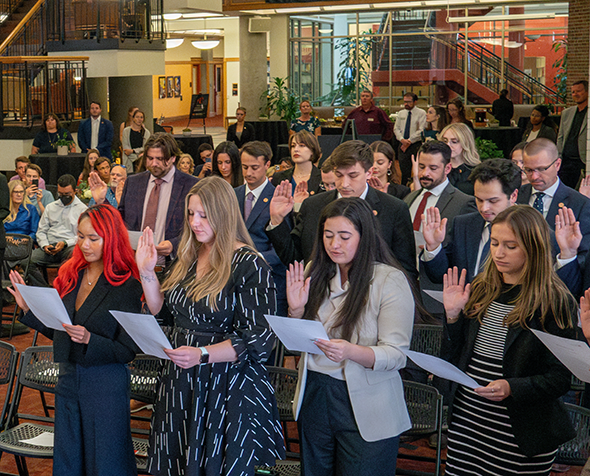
<point x="514" y="422"/>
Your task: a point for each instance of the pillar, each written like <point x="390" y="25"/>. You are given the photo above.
<point x="253" y="68"/>
<point x="97" y="89"/>
<point x="578" y="52"/>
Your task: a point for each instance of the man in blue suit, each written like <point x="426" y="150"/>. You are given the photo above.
<point x="254" y="198"/>
<point x="96" y="132"/>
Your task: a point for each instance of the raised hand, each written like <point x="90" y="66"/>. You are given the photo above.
<point x="146" y="255"/>
<point x="433" y="228"/>
<point x="416" y="185"/>
<point x="584" y="313"/>
<point x="282" y="203"/>
<point x="585" y="186"/>
<point x="15" y="279"/>
<point x="297" y="289"/>
<point x="301" y="192"/>
<point x="455" y="292"/>
<point x="97" y="187"/>
<point x="376" y="184"/>
<point x="567" y="233"/>
<point x="119" y="190"/>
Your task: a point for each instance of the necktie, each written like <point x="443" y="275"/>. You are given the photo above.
<point x="420" y="211"/>
<point x="486" y="248"/>
<point x="538" y="204"/>
<point x="248" y="205"/>
<point x="408" y="124"/>
<point x="152" y="206"/>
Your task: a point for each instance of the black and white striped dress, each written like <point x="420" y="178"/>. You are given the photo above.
<point x="220" y="419"/>
<point x="481" y="440"/>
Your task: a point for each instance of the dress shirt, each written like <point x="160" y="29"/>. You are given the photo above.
<point x="60" y="223"/>
<point x="430" y="202"/>
<point x="256" y="192"/>
<point x="94" y="127"/>
<point x="163" y="203"/>
<point x="417" y="125"/>
<point x="485" y="237"/>
<point x="547" y="199"/>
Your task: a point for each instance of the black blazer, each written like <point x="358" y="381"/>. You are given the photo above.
<point x="546" y="132"/>
<point x="313" y="184"/>
<point x="391" y="212"/>
<point x="109" y="343"/>
<point x="248" y="134"/>
<point x="537" y="379"/>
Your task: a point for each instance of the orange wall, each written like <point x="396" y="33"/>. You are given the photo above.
<point x="174" y="107"/>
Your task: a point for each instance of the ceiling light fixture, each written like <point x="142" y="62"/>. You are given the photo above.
<point x="205" y="44"/>
<point x="173" y="42"/>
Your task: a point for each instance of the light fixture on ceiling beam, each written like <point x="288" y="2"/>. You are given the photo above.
<point x="173" y="42"/>
<point x="172" y="16"/>
<point x="205" y="44"/>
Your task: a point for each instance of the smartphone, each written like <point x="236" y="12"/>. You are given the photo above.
<point x="208" y="159"/>
<point x="36" y="182"/>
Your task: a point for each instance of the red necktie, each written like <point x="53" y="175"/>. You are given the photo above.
<point x="420" y="211"/>
<point x="152" y="206"/>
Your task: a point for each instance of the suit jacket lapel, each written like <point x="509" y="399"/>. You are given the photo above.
<point x="445" y="198"/>
<point x="260" y="204"/>
<point x="524" y="194"/>
<point x="559" y="200"/>
<point x="93" y="300"/>
<point x="175" y="197"/>
<point x="473" y="249"/>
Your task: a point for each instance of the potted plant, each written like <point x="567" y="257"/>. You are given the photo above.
<point x="280" y="100"/>
<point x="63" y="144"/>
<point x="186" y="132"/>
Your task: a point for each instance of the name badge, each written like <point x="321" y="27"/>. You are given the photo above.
<point x="370" y="119"/>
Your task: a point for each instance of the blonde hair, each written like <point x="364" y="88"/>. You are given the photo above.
<point x="541" y="289"/>
<point x="470" y="156"/>
<point x="11" y="186"/>
<point x="223" y="214"/>
<point x="191" y="168"/>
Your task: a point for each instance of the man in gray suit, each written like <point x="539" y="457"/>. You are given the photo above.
<point x="571" y="140"/>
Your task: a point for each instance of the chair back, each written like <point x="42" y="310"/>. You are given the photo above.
<point x="18" y="247"/>
<point x="145" y="375"/>
<point x="576" y="451"/>
<point x="427" y="339"/>
<point x="284" y="382"/>
<point x="8" y="362"/>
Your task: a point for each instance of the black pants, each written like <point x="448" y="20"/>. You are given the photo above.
<point x="571" y="171"/>
<point x="331" y="444"/>
<point x="405" y="161"/>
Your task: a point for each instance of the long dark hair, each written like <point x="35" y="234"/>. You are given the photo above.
<point x="371" y="249"/>
<point x="232" y="150"/>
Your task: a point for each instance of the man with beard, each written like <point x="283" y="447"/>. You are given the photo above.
<point x="155" y="198"/>
<point x="409" y="125"/>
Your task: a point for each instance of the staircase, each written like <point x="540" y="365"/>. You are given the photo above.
<point x="18" y="10"/>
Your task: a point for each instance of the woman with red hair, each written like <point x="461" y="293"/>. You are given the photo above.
<point x="92" y="430"/>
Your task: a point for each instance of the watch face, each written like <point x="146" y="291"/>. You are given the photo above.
<point x="205" y="359"/>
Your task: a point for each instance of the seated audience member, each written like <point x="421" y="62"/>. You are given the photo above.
<point x="285" y="164"/>
<point x="57" y="232"/>
<point x="385" y="178"/>
<point x="464" y="155"/>
<point x="540" y="125"/>
<point x="408" y="129"/>
<point x="305" y="122"/>
<point x="103" y="169"/>
<point x="254" y="201"/>
<point x="456" y="111"/>
<point x="437" y="118"/>
<point x="352" y="163"/>
<point x="155" y="198"/>
<point x="205" y="157"/>
<point x="96" y="132"/>
<point x="91" y="156"/>
<point x="369" y="119"/>
<point x="241" y="132"/>
<point x="516" y="158"/>
<point x="226" y="163"/>
<point x="328" y="176"/>
<point x="23" y="217"/>
<point x="186" y="164"/>
<point x="547" y="194"/>
<point x="134" y="138"/>
<point x="21" y="164"/>
<point x="503" y="109"/>
<point x="37" y="196"/>
<point x="45" y="141"/>
<point x="111" y="192"/>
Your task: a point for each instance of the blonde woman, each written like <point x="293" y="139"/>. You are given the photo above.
<point x="216" y="295"/>
<point x="23" y="217"/>
<point x="464" y="156"/>
<point x="134" y="138"/>
<point x="186" y="164"/>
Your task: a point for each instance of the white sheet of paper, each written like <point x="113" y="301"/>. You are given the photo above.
<point x="437" y="295"/>
<point x="145" y="331"/>
<point x="44" y="439"/>
<point x="441" y="368"/>
<point x="46" y="304"/>
<point x="574" y="354"/>
<point x="134" y="239"/>
<point x="298" y="334"/>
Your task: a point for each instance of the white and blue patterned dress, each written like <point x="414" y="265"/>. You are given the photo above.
<point x="220" y="419"/>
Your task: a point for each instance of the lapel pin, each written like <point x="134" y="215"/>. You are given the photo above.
<point x="375" y="212"/>
<point x="312" y="192"/>
<point x="561" y="205"/>
<point x="265" y="200"/>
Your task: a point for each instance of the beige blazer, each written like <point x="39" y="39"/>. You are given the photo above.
<point x="377" y="394"/>
<point x="567" y="119"/>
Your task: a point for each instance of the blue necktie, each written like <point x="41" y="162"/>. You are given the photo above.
<point x="408" y="124"/>
<point x="538" y="203"/>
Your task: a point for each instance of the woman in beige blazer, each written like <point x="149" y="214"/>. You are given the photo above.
<point x="350" y="401"/>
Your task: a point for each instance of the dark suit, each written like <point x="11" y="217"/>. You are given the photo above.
<point x="313" y="184"/>
<point x="256" y="224"/>
<point x="92" y="393"/>
<point x="392" y="214"/>
<point x="248" y="134"/>
<point x="105" y="136"/>
<point x="537" y="380"/>
<point x="131" y="205"/>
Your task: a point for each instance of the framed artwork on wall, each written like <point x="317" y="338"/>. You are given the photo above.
<point x="162" y="87"/>
<point x="170" y="86"/>
<point x="177" y="90"/>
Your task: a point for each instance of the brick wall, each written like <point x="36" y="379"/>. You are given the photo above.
<point x="578" y="41"/>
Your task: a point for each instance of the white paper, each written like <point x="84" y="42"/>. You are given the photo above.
<point x="145" y="331"/>
<point x="437" y="295"/>
<point x="43" y="439"/>
<point x="574" y="354"/>
<point x="46" y="304"/>
<point x="441" y="368"/>
<point x="134" y="238"/>
<point x="298" y="334"/>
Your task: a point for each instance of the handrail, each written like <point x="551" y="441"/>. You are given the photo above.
<point x="39" y="59"/>
<point x="21" y="25"/>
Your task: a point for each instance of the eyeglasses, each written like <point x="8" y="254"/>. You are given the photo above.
<point x="539" y="170"/>
<point x="18" y="192"/>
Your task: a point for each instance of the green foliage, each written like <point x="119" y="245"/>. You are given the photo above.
<point x="280" y="100"/>
<point x="560" y="79"/>
<point x="63" y="140"/>
<point x="488" y="149"/>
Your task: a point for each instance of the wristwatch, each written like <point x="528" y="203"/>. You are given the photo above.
<point x="204" y="356"/>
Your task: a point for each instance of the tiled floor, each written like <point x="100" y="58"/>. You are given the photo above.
<point x="214" y="126"/>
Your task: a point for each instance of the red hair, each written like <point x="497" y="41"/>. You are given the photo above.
<point x="117" y="255"/>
